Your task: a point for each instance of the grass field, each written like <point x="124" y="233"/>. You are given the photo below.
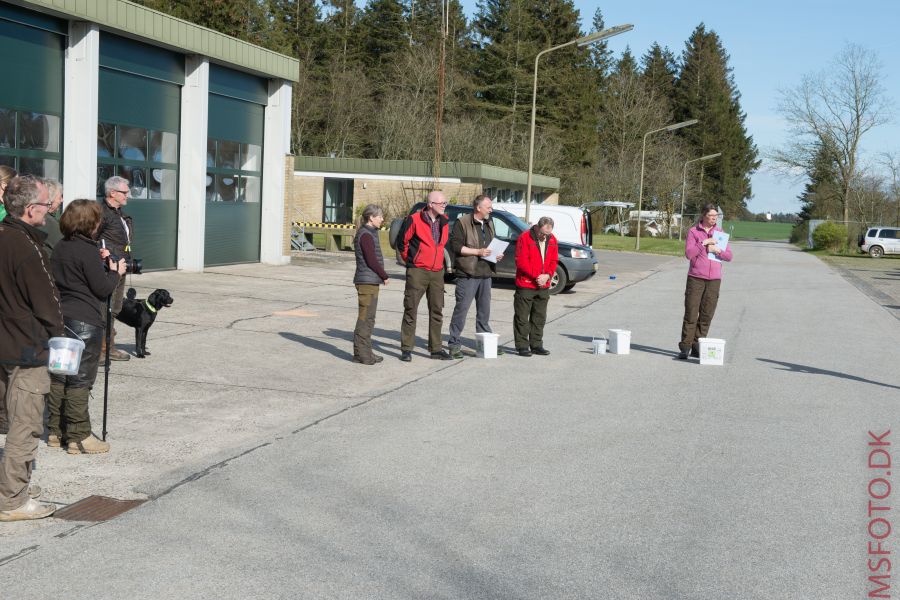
<point x="752" y="230"/>
<point x="743" y="230"/>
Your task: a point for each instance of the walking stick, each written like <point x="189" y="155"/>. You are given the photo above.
<point x="106" y="363"/>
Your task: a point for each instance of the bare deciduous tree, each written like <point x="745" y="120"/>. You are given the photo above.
<point x="833" y="110"/>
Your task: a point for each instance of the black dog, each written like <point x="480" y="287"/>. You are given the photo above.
<point x="140" y="314"/>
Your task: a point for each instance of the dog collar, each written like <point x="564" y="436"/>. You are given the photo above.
<point x="150" y="308"/>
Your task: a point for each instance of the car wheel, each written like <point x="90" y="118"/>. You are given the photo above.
<point x="568" y="287"/>
<point x="876" y="251"/>
<point x="559" y="280"/>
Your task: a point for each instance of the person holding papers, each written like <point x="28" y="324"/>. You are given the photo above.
<point x="475" y="263"/>
<point x="706" y="247"/>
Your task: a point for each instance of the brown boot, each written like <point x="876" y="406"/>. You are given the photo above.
<point x="89" y="445"/>
<point x="114" y="353"/>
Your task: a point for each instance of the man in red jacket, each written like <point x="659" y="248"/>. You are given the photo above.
<point x="420" y="244"/>
<point x="536" y="257"/>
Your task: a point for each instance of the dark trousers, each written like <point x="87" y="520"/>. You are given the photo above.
<point x="700" y="299"/>
<point x="420" y="282"/>
<point x="67" y="403"/>
<point x="365" y="320"/>
<point x="530" y="316"/>
<point x="468" y="289"/>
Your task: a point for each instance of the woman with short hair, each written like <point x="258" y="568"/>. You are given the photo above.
<point x="370" y="274"/>
<point x="84" y="283"/>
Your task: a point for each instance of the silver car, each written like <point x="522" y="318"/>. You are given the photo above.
<point x="878" y="241"/>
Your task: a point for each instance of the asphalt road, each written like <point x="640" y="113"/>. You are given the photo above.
<point x="276" y="468"/>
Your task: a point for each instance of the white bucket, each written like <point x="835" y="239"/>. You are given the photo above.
<point x="619" y="341"/>
<point x="65" y="355"/>
<point x="599" y="345"/>
<point x="486" y="344"/>
<point x="712" y="351"/>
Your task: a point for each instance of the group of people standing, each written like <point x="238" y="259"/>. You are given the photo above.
<point x="421" y="241"/>
<point x="56" y="277"/>
<point x="420" y="245"/>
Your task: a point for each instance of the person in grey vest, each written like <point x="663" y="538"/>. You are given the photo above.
<point x="370" y="274"/>
<point x="470" y="239"/>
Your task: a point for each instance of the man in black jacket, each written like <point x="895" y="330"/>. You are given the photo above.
<point x="30" y="315"/>
<point x="117" y="232"/>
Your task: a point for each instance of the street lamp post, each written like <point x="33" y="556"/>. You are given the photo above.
<point x="684" y="185"/>
<point x="673" y="127"/>
<point x="582" y="41"/>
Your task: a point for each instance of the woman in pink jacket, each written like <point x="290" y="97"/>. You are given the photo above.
<point x="704" y="279"/>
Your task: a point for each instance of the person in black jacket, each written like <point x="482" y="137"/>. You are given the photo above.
<point x="116" y="232"/>
<point x="29" y="316"/>
<point x="84" y="282"/>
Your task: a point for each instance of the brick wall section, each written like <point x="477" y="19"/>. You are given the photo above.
<point x="288" y="204"/>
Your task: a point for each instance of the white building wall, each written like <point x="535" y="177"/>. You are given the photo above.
<point x="192" y="164"/>
<point x="80" y="111"/>
<point x="277" y="140"/>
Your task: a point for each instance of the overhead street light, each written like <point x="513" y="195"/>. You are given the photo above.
<point x="673" y="127"/>
<point x="684" y="186"/>
<point x="582" y="41"/>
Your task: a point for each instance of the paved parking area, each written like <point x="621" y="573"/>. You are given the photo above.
<point x="877" y="278"/>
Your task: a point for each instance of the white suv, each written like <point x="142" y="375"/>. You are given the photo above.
<point x="879" y="241"/>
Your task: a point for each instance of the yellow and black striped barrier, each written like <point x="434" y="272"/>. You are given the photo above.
<point x="330" y="237"/>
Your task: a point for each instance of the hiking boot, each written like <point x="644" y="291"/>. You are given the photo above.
<point x="406" y="356"/>
<point x="523" y="351"/>
<point x="89" y="445"/>
<point x="695" y="351"/>
<point x="456" y="353"/>
<point x="28" y="511"/>
<point x="54" y="441"/>
<point x="117" y="354"/>
<point x="540" y="351"/>
<point x="441" y="355"/>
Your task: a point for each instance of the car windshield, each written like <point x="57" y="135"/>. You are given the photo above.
<point x="514" y="220"/>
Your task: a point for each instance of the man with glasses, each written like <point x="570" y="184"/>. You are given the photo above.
<point x="420" y="245"/>
<point x="116" y="231"/>
<point x="30" y="314"/>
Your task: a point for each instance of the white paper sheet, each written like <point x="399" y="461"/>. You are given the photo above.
<point x="496" y="247"/>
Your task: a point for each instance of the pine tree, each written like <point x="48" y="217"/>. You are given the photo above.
<point x="383" y="32"/>
<point x="705" y="90"/>
<point x="659" y="70"/>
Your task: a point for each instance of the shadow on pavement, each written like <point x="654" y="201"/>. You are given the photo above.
<point x="653" y="350"/>
<point x="814" y="371"/>
<point x="317" y="345"/>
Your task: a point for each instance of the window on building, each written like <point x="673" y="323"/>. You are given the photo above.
<point x="30" y="142"/>
<point x="233" y="171"/>
<point x="338" y="201"/>
<point x="148" y="159"/>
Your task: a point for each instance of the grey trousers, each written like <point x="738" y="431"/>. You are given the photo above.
<point x="468" y="289"/>
<point x="25" y="391"/>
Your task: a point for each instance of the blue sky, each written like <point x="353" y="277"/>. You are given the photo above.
<point x="771" y="45"/>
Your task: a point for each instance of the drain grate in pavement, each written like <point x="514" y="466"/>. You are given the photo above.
<point x="96" y="508"/>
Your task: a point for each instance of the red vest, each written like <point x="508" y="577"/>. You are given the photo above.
<point x="416" y="245"/>
<point x="528" y="259"/>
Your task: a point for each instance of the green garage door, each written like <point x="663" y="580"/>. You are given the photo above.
<point x="31" y="98"/>
<point x="137" y="138"/>
<point x="234" y="166"/>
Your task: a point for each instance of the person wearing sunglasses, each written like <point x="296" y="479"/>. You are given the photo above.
<point x="30" y="314"/>
<point x="116" y="232"/>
